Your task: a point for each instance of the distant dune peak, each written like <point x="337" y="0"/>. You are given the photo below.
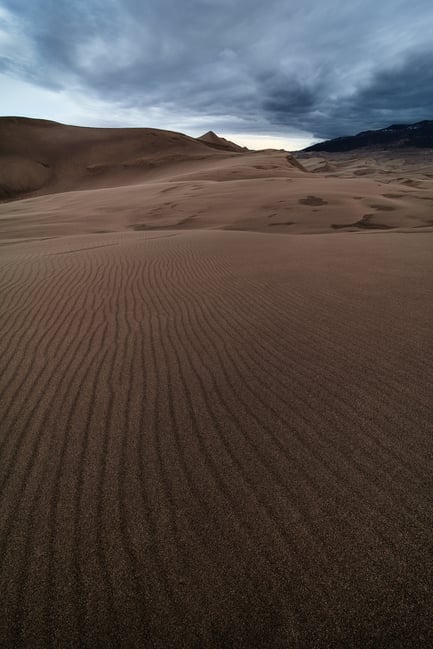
<point x="209" y="135"/>
<point x="215" y="141"/>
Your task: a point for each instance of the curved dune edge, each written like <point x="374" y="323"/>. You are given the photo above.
<point x="291" y="203"/>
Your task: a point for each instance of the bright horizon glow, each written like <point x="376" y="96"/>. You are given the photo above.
<point x="269" y="141"/>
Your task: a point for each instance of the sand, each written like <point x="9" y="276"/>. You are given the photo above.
<point x="215" y="434"/>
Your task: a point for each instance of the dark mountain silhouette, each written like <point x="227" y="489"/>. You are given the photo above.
<point x="395" y="136"/>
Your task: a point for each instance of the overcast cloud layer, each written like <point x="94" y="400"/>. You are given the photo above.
<point x="318" y="68"/>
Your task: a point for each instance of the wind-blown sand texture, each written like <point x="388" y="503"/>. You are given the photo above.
<point x="215" y="437"/>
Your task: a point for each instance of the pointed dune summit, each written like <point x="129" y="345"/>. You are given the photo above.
<point x="214" y="141"/>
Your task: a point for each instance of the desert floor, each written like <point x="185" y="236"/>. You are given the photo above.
<point x="216" y="408"/>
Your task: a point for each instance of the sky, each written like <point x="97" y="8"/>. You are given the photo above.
<point x="274" y="73"/>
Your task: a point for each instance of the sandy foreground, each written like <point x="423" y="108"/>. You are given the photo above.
<point x="215" y="434"/>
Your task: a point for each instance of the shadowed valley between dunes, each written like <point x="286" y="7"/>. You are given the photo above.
<point x="213" y="434"/>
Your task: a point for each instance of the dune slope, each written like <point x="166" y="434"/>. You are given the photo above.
<point x="214" y="434"/>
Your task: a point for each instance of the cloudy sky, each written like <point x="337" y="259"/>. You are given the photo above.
<point x="274" y="72"/>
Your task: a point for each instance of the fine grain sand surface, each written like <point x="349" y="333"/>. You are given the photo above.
<point x="216" y="433"/>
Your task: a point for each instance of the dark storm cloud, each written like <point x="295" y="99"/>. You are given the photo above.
<point x="328" y="68"/>
<point x="401" y="93"/>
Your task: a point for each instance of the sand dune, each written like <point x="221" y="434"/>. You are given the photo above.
<point x="41" y="157"/>
<point x="214" y="434"/>
<point x="109" y="179"/>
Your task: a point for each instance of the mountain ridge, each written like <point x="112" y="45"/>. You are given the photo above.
<point x="419" y="135"/>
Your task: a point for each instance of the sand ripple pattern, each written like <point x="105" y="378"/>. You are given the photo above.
<point x="216" y="439"/>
